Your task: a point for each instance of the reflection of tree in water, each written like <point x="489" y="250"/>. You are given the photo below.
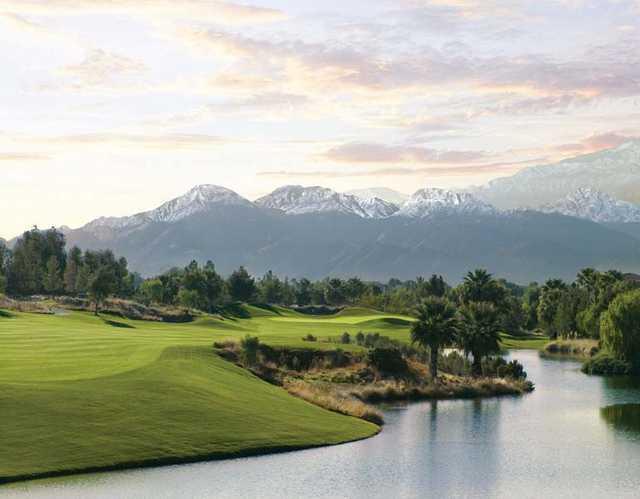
<point x="623" y="417"/>
<point x="463" y="447"/>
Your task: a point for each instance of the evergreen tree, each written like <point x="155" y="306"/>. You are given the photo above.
<point x="242" y="287"/>
<point x="52" y="281"/>
<point x="71" y="273"/>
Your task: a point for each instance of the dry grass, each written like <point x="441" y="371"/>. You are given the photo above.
<point x="332" y="399"/>
<point x="582" y="348"/>
<point x="449" y="387"/>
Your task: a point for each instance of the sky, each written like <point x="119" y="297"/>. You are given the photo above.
<point x="111" y="107"/>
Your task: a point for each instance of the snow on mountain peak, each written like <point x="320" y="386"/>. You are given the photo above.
<point x="383" y="193"/>
<point x="427" y="202"/>
<point x="592" y="204"/>
<point x="196" y="200"/>
<point x="298" y="200"/>
<point x="378" y="208"/>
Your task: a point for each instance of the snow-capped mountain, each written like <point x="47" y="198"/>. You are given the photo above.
<point x="199" y="199"/>
<point x="388" y="195"/>
<point x="597" y="206"/>
<point x="378" y="208"/>
<point x="430" y="201"/>
<point x="614" y="171"/>
<point x="299" y="200"/>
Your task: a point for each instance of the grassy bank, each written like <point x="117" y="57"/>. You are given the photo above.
<point x="84" y="393"/>
<point x="579" y="348"/>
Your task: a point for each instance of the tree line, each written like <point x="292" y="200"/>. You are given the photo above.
<point x="40" y="264"/>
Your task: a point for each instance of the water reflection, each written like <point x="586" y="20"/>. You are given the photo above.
<point x="623" y="417"/>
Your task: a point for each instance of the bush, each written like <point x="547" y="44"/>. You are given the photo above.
<point x="498" y="367"/>
<point x="345" y="338"/>
<point x="454" y="363"/>
<point x="310" y="337"/>
<point x="607" y="365"/>
<point x="250" y="346"/>
<point x="387" y="360"/>
<point x="360" y="338"/>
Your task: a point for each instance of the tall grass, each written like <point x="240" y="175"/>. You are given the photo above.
<point x="334" y="400"/>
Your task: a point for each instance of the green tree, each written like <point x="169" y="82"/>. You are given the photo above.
<point x="242" y="287"/>
<point x="354" y="288"/>
<point x="271" y="289"/>
<point x="152" y="291"/>
<point x="620" y="327"/>
<point x="334" y="292"/>
<point x="303" y="292"/>
<point x="72" y="272"/>
<point x="52" y="280"/>
<point x="480" y="332"/>
<point x="4" y="264"/>
<point x="480" y="286"/>
<point x="189" y="298"/>
<point x="434" y="286"/>
<point x="436" y="327"/>
<point x="550" y="297"/>
<point x="102" y="284"/>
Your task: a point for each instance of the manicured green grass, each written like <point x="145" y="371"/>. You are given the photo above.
<point x="530" y="342"/>
<point x="80" y="392"/>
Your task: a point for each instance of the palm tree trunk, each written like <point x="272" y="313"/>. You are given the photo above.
<point x="434" y="363"/>
<point x="476" y="367"/>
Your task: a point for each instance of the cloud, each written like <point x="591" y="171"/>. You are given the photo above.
<point x="543" y="82"/>
<point x="218" y="12"/>
<point x="100" y="67"/>
<point x="594" y="143"/>
<point x="20" y="23"/>
<point x="362" y="152"/>
<point x="17" y="156"/>
<point x="129" y="141"/>
<point x="502" y="168"/>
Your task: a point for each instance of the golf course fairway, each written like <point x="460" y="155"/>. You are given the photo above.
<point x="84" y="393"/>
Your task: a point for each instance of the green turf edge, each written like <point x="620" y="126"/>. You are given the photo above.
<point x="170" y="461"/>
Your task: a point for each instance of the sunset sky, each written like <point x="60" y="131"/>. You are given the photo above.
<point x="109" y="107"/>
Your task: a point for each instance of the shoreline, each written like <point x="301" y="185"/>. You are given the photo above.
<point x="170" y="461"/>
<point x="8" y="481"/>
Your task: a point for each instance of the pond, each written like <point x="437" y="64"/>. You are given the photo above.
<point x="575" y="436"/>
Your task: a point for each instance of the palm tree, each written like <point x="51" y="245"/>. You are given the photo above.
<point x="436" y="327"/>
<point x="480" y="332"/>
<point x="480" y="286"/>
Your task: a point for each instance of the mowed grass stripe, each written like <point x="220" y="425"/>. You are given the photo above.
<point x="79" y="394"/>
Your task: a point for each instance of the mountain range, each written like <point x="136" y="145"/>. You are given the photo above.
<point x="613" y="171"/>
<point x="582" y="216"/>
<point x="316" y="232"/>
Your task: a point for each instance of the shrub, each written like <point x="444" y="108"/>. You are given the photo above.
<point x="345" y="338"/>
<point x="499" y="367"/>
<point x="387" y="360"/>
<point x="454" y="363"/>
<point x="310" y="337"/>
<point x="250" y="346"/>
<point x="607" y="365"/>
<point x="360" y="338"/>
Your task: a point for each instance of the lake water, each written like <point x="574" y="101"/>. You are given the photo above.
<point x="563" y="440"/>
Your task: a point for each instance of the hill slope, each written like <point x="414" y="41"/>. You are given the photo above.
<point x="78" y="394"/>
